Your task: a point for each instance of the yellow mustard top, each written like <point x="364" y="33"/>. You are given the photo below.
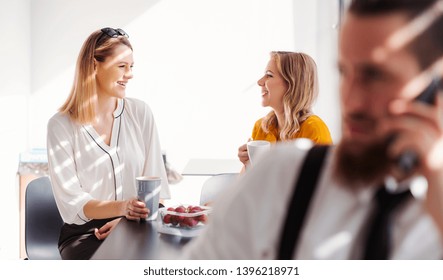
<point x="312" y="128"/>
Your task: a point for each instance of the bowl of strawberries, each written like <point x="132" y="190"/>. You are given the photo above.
<point x="185" y="216"/>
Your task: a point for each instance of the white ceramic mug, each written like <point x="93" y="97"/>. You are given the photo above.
<point x="256" y="148"/>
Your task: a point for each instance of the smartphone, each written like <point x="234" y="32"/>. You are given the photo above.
<point x="428" y="94"/>
<point x="409" y="159"/>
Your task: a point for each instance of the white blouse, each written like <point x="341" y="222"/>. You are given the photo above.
<point x="82" y="167"/>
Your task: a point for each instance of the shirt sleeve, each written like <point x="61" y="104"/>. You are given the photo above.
<point x="69" y="196"/>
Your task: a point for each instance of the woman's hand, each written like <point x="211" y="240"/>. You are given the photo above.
<point x="136" y="210"/>
<point x="243" y="154"/>
<point x="104" y="231"/>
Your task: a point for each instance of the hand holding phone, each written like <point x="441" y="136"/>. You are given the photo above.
<point x="409" y="159"/>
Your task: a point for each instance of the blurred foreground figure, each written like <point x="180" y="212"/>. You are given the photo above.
<point x="363" y="205"/>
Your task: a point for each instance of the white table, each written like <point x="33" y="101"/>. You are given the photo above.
<point x="211" y="167"/>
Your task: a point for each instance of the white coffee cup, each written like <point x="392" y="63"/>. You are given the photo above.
<point x="256" y="148"/>
<point x="148" y="191"/>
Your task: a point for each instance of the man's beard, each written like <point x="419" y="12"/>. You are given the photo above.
<point x="362" y="166"/>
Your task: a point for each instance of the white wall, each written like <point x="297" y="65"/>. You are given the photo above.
<point x="196" y="65"/>
<point x="326" y="44"/>
<point x="15" y="87"/>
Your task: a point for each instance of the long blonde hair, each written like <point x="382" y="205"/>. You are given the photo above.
<point x="300" y="73"/>
<point x="80" y="103"/>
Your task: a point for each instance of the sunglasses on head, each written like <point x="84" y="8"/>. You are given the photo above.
<point x="114" y="32"/>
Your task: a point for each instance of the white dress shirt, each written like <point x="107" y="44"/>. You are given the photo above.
<point x="82" y="167"/>
<point x="247" y="218"/>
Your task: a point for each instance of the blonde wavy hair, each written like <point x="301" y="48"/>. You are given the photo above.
<point x="80" y="103"/>
<point x="299" y="71"/>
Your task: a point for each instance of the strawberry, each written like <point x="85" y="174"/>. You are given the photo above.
<point x="179" y="218"/>
<point x="167" y="219"/>
<point x="180" y="209"/>
<point x="203" y="218"/>
<point x="196" y="209"/>
<point x="190" y="222"/>
<point x="174" y="220"/>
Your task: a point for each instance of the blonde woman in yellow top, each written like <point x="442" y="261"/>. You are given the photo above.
<point x="290" y="87"/>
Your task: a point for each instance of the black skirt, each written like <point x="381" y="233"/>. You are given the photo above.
<point x="78" y="242"/>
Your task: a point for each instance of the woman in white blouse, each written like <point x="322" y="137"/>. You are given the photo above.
<point x="98" y="143"/>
